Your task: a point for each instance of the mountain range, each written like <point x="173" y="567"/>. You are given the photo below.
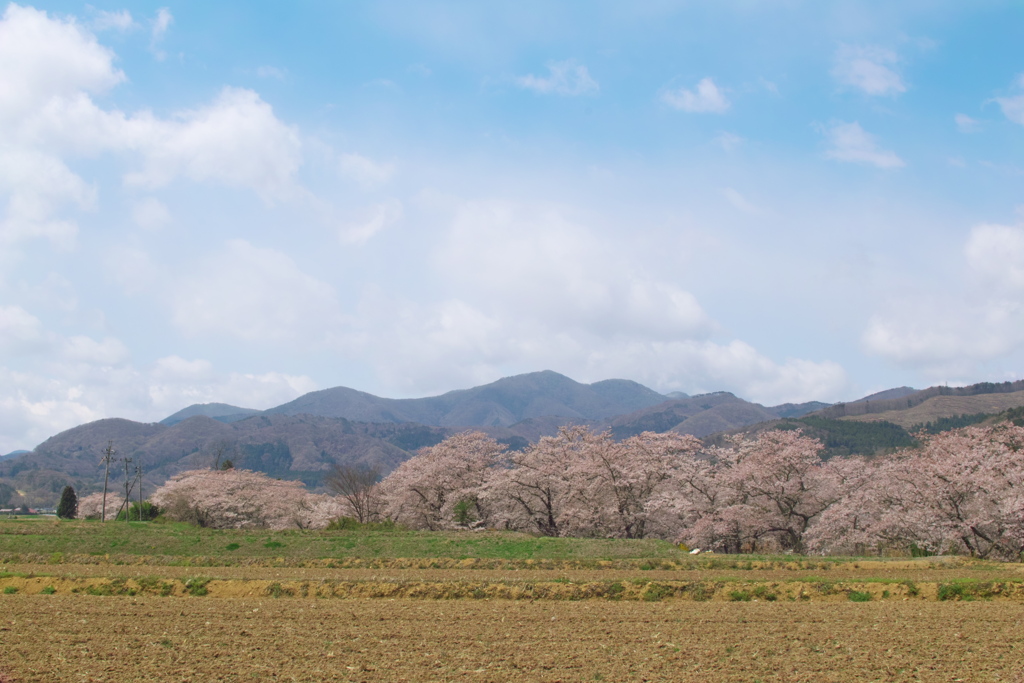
<point x="304" y="438"/>
<point x="499" y="404"/>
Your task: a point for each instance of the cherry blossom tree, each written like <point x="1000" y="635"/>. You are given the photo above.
<point x="91" y="506"/>
<point x="694" y="494"/>
<point x="626" y="478"/>
<point x="544" y="488"/>
<point x="442" y="486"/>
<point x="961" y="492"/>
<point x="233" y="499"/>
<point x="763" y="493"/>
<point x="317" y="511"/>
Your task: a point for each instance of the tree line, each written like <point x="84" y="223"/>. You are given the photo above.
<point x="959" y="492"/>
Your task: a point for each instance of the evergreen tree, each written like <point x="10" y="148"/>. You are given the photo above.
<point x="68" y="506"/>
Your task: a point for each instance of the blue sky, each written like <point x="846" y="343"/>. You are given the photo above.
<point x="242" y="202"/>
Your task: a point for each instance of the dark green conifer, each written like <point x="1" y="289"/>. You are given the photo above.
<point x="68" y="506"/>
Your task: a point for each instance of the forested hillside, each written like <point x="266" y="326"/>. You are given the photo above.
<point x="305" y="446"/>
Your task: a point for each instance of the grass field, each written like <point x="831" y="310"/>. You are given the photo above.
<point x="84" y="601"/>
<point x="229" y="546"/>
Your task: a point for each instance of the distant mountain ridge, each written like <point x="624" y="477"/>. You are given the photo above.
<point x="867" y="406"/>
<point x="498" y="404"/>
<point x="704" y="415"/>
<point x="303" y="438"/>
<point x="898" y="392"/>
<point x="222" y="412"/>
<point x="284" y="446"/>
<point x="945" y="406"/>
<point x="13" y="454"/>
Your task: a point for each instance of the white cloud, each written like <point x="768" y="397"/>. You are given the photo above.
<point x="64" y="381"/>
<point x="254" y="295"/>
<point x="948" y="338"/>
<point x="33" y="408"/>
<point x="378" y="217"/>
<point x="728" y="141"/>
<point x="735" y="366"/>
<point x="151" y="214"/>
<point x="366" y="172"/>
<point x="236" y="141"/>
<point x="706" y="98"/>
<point x="564" y="78"/>
<point x="20" y="331"/>
<point x="427" y="349"/>
<point x="951" y="334"/>
<point x="52" y="68"/>
<point x="37" y="187"/>
<point x="534" y="261"/>
<point x="82" y="349"/>
<point x="95" y="381"/>
<point x="133" y="269"/>
<point x="1013" y="107"/>
<point x="849" y="142"/>
<point x="161" y="23"/>
<point x="53" y="292"/>
<point x="966" y="124"/>
<point x="868" y="68"/>
<point x="174" y="383"/>
<point x="996" y="254"/>
<point x="43" y="58"/>
<point x="740" y="202"/>
<point x="526" y="288"/>
<point x="271" y="72"/>
<point x="120" y="20"/>
<point x="770" y="86"/>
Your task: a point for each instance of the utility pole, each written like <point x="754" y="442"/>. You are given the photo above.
<point x="138" y="471"/>
<point x="127" y="489"/>
<point x="109" y="455"/>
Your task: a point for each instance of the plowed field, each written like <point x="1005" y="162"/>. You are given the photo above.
<point x="87" y="638"/>
<point x="89" y="602"/>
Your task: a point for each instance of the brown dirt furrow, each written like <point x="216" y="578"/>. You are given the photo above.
<point x="882" y="571"/>
<point x="123" y="639"/>
<point x="563" y="589"/>
<point x="700" y="563"/>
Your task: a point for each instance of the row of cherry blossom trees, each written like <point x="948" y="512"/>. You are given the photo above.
<point x="960" y="492"/>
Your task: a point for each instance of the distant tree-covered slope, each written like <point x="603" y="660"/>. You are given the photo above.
<point x="221" y="412"/>
<point x="889" y="405"/>
<point x="13" y="454"/>
<point x="702" y="415"/>
<point x="938" y="407"/>
<point x="292" y="447"/>
<point x="846" y="437"/>
<point x="898" y="392"/>
<point x="501" y="403"/>
<point x="840" y="437"/>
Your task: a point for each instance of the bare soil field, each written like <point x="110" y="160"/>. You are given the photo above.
<point x="87" y="638"/>
<point x="88" y="602"/>
<point x="445" y="569"/>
